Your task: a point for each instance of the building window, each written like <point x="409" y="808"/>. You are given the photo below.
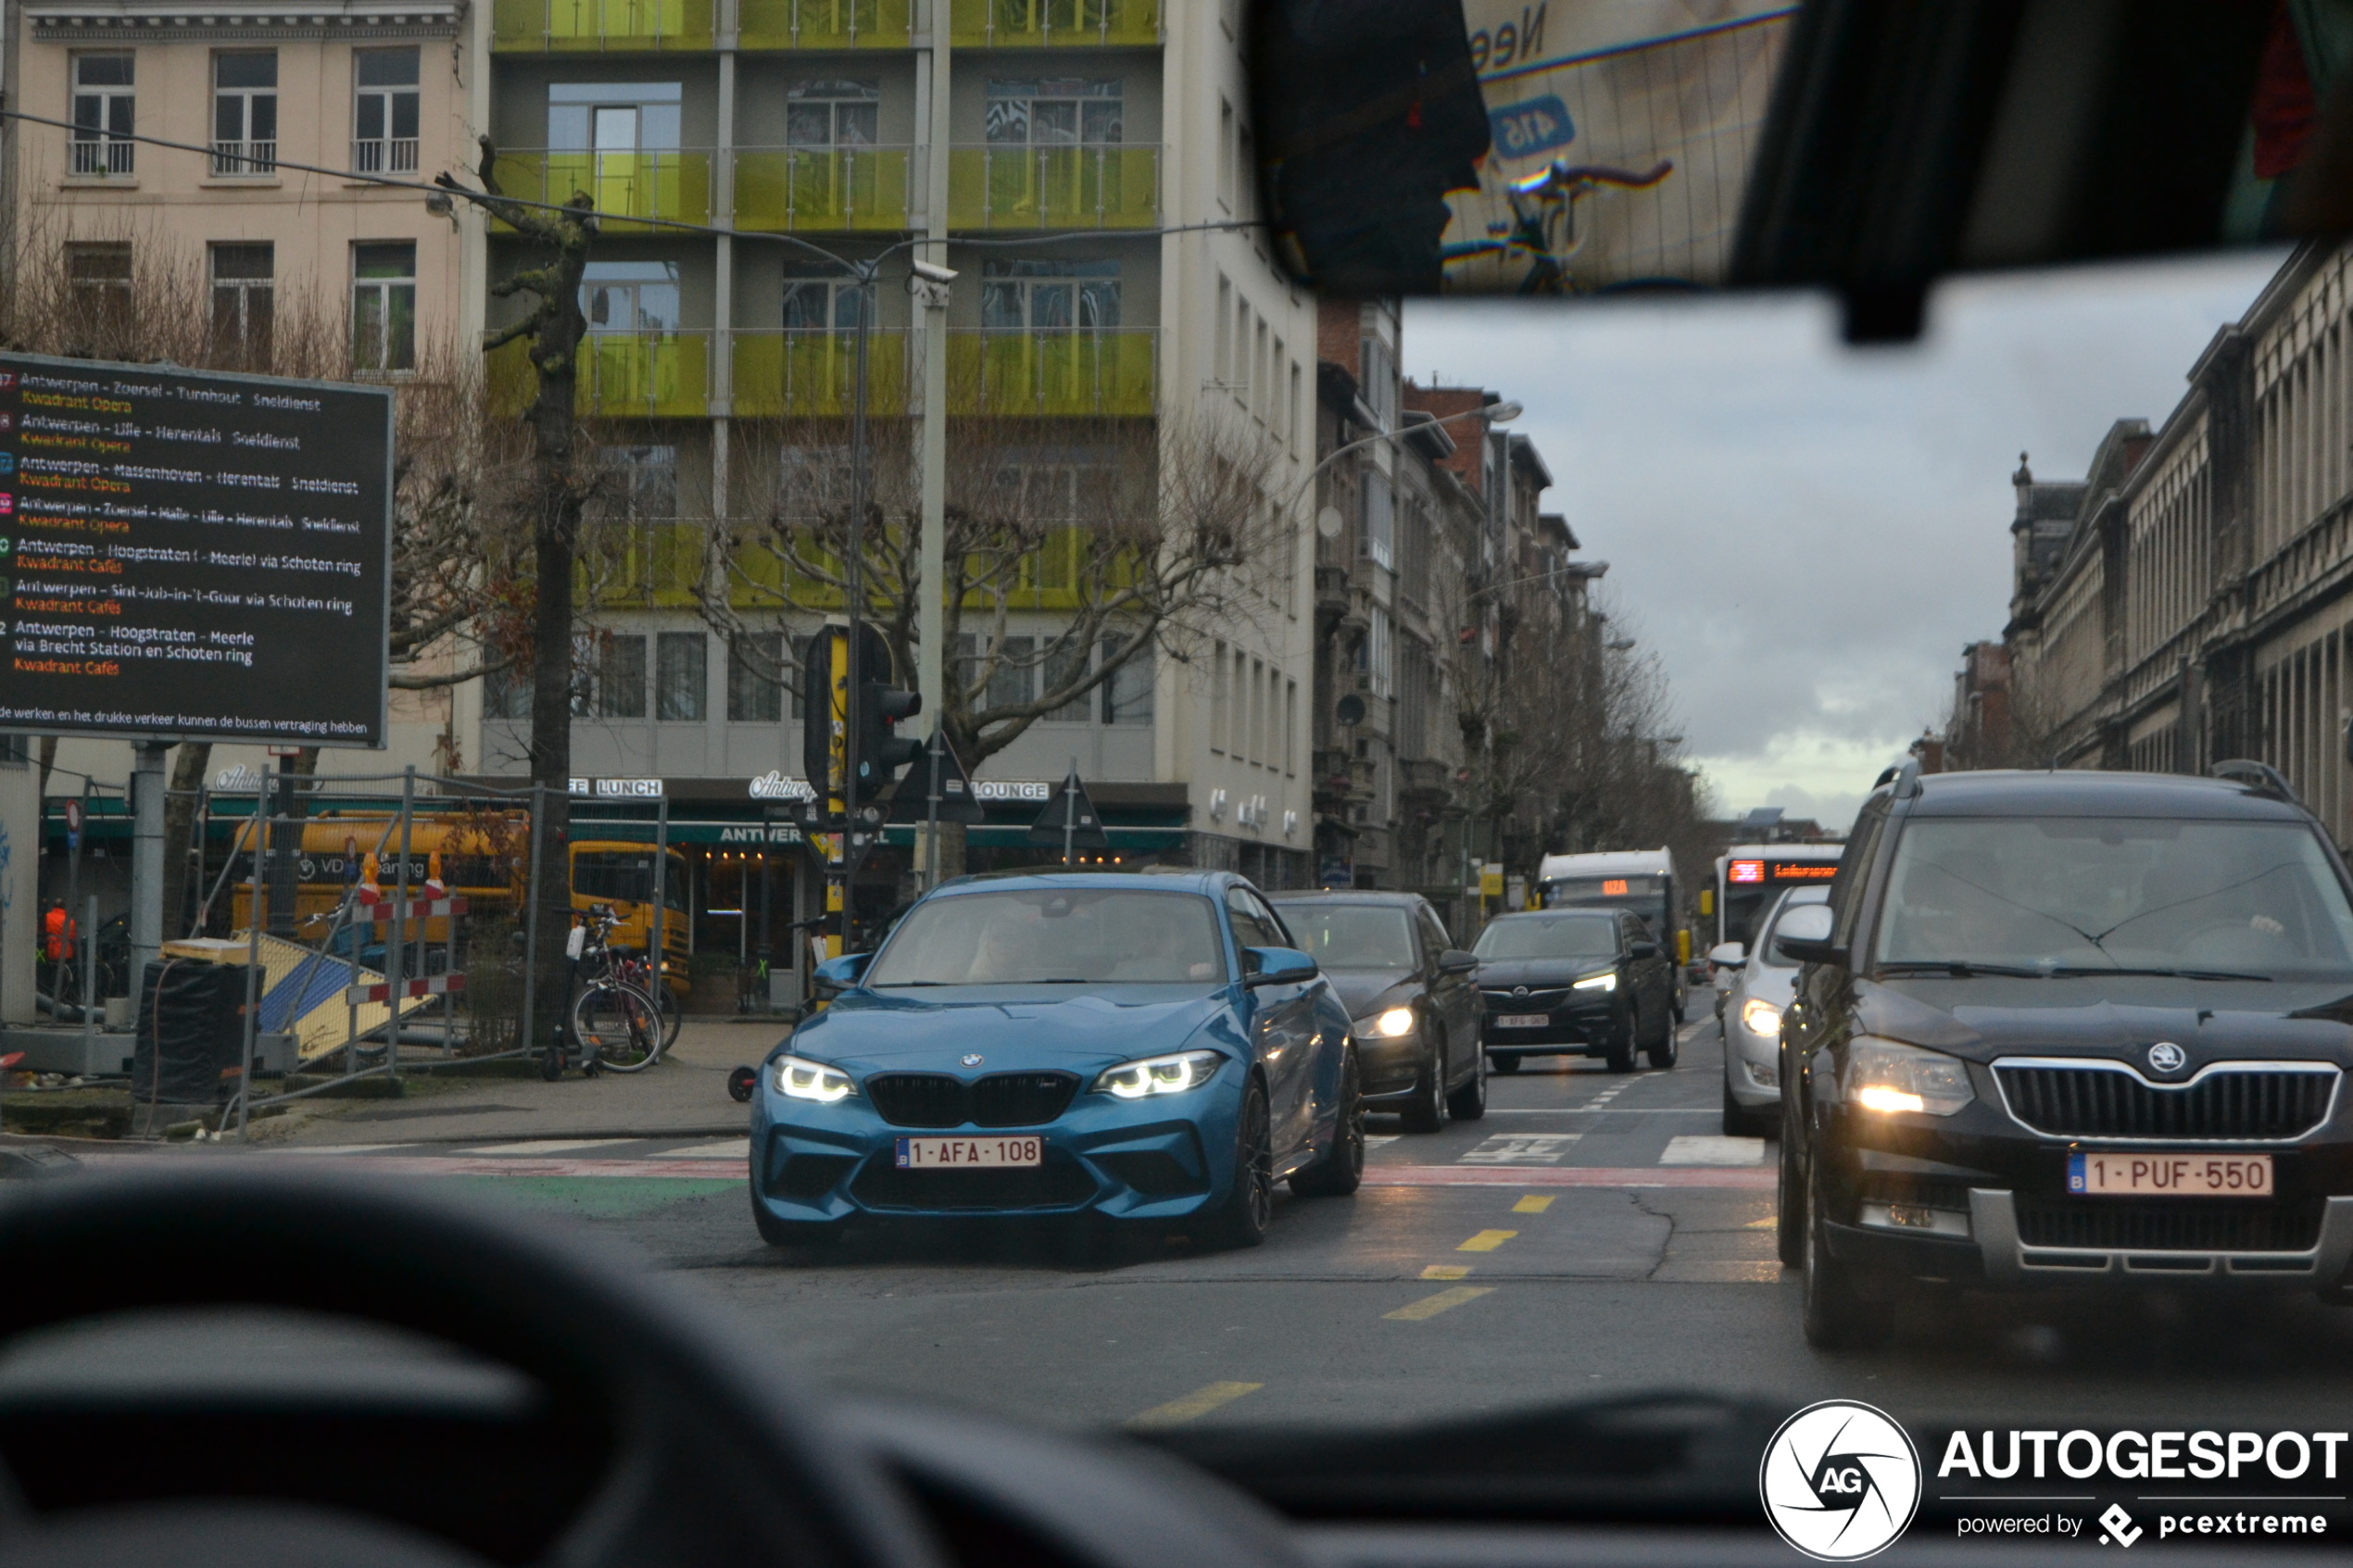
<point x="1049" y="295"/>
<point x="817" y="298"/>
<point x="614" y="118"/>
<point x="1377" y="655"/>
<point x="506" y="694"/>
<point x="630" y="296"/>
<point x="833" y="114"/>
<point x="99" y="284"/>
<point x="1128" y="692"/>
<point x="102" y="114"/>
<point x="1014" y="681"/>
<point x="384" y="111"/>
<point x="640" y="482"/>
<point x="1066" y="667"/>
<point x="1058" y="112"/>
<point x="755" y="684"/>
<point x="1380" y="521"/>
<point x="1379" y="380"/>
<point x="383" y="306"/>
<point x="679" y="674"/>
<point x="242" y="302"/>
<point x="244" y="112"/>
<point x="621" y="676"/>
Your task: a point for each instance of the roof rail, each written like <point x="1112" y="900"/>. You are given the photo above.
<point x="1903" y="776"/>
<point x="2261" y="777"/>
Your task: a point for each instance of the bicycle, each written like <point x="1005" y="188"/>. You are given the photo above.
<point x="616" y="1025"/>
<point x="635" y="970"/>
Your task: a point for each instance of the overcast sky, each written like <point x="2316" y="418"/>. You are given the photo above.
<point x="1806" y="533"/>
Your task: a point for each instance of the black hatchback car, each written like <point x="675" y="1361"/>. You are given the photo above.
<point x="2068" y="1029"/>
<point x="1409" y="990"/>
<point x="1576" y="983"/>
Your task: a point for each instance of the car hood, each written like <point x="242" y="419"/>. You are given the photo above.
<point x="2119" y="1019"/>
<point x="1775" y="985"/>
<point x="1015" y="1027"/>
<point x="1365" y="991"/>
<point x="1537" y="975"/>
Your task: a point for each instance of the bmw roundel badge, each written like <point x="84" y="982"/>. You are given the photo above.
<point x="2166" y="1057"/>
<point x="973" y="1060"/>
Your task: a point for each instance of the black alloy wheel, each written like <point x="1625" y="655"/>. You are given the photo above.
<point x="1469" y="1102"/>
<point x="1426" y="1113"/>
<point x="1341" y="1169"/>
<point x="1242" y="1220"/>
<point x="1836" y="1315"/>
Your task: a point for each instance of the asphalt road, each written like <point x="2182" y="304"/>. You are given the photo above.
<point x="1614" y="1243"/>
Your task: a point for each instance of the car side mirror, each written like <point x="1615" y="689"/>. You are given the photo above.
<point x="836" y="975"/>
<point x="1456" y="960"/>
<point x="1804" y="936"/>
<point x="1642" y="950"/>
<point x="1728" y="955"/>
<point x="1276" y="966"/>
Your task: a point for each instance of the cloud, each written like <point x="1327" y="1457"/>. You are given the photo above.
<point x="1806" y="533"/>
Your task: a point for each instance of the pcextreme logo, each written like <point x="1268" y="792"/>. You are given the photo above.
<point x="1840" y="1481"/>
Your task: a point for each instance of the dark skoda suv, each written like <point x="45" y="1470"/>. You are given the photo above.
<point x="2070" y="1028"/>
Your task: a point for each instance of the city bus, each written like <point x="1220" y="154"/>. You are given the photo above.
<point x="1750" y="876"/>
<point x="1639" y="880"/>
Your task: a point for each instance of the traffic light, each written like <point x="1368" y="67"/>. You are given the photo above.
<point x="821" y="728"/>
<point x="825" y="732"/>
<point x="881" y="750"/>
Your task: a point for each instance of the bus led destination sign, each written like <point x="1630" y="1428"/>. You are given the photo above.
<point x="186" y="555"/>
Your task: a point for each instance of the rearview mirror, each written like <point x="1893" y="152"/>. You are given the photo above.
<point x="1276" y="966"/>
<point x="1728" y="955"/>
<point x="836" y="975"/>
<point x="1455" y="961"/>
<point x="1804" y="936"/>
<point x="1642" y="950"/>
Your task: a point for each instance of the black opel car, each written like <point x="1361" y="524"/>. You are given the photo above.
<point x="1576" y="983"/>
<point x="2070" y="1029"/>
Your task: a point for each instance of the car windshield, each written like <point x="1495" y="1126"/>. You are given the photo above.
<point x="1353" y="935"/>
<point x="2094" y="892"/>
<point x="1060" y="935"/>
<point x="1541" y="936"/>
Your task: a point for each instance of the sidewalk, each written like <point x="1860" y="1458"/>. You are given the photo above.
<point x="684" y="1095"/>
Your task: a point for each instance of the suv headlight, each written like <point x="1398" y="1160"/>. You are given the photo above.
<point x="1394" y="1023"/>
<point x="797" y="1078"/>
<point x="1604" y="982"/>
<point x="1170" y="1074"/>
<point x="1882" y="1075"/>
<point x="1761" y="1017"/>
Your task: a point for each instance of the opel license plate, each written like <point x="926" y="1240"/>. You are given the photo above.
<point x="965" y="1154"/>
<point x="2170" y="1175"/>
<point x="1522" y="1021"/>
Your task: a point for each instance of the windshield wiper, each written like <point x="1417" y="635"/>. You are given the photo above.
<point x="2073" y="969"/>
<point x="1959" y="970"/>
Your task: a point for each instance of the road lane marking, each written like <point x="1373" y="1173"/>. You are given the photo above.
<point x="1522" y="1148"/>
<point x="1486" y="1241"/>
<point x="1374" y="1140"/>
<point x="1766" y="1223"/>
<point x="739" y="1149"/>
<point x="551" y="1146"/>
<point x="337" y="1149"/>
<point x="1430" y="1306"/>
<point x="1711" y="1149"/>
<point x="1447" y="1270"/>
<point x="1193" y="1406"/>
<point x="1734" y="1178"/>
<point x="1531" y="1204"/>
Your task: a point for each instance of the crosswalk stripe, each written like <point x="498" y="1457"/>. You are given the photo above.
<point x="1193" y="1406"/>
<point x="1430" y="1306"/>
<point x="738" y="1150"/>
<point x="551" y="1146"/>
<point x="1709" y="1149"/>
<point x="1531" y="1204"/>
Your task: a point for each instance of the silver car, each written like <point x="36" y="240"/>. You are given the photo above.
<point x="1750" y="1010"/>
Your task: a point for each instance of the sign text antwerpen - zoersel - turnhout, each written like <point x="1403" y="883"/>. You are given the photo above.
<point x="193" y="555"/>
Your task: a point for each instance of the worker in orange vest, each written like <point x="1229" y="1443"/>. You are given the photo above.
<point x="59" y="932"/>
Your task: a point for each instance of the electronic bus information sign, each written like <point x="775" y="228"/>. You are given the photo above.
<point x="189" y="555"/>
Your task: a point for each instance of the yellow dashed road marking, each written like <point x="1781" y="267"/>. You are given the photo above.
<point x="1198" y="1403"/>
<point x="1765" y="1223"/>
<point x="1531" y="1204"/>
<point x="1486" y="1241"/>
<point x="1446" y="1271"/>
<point x="1430" y="1306"/>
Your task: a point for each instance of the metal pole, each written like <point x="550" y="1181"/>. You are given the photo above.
<point x="396" y="950"/>
<point x="253" y="964"/>
<point x="931" y="615"/>
<point x="73" y="880"/>
<point x="662" y="897"/>
<point x="90" y="981"/>
<point x="854" y="580"/>
<point x="146" y="856"/>
<point x="1070" y="817"/>
<point x="531" y="921"/>
<point x="931" y="808"/>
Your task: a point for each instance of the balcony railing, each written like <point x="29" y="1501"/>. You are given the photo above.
<point x="806" y="189"/>
<point x="825" y="24"/>
<point x="563" y="26"/>
<point x="232" y="159"/>
<point x="674" y="185"/>
<point x="623" y="375"/>
<point x="101" y="154"/>
<point x="1053" y="373"/>
<point x="811" y="373"/>
<point x="1109" y="187"/>
<point x="1061" y="24"/>
<point x="384" y="154"/>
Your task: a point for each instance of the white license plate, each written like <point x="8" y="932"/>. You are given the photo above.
<point x="2170" y="1175"/>
<point x="1522" y="1021"/>
<point x="965" y="1154"/>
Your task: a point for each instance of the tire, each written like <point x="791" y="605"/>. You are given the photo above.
<point x="1742" y="1123"/>
<point x="1426" y="1113"/>
<point x="1789" y="1230"/>
<point x="618" y="1025"/>
<point x="1469" y="1102"/>
<point x="1663" y="1054"/>
<point x="1341" y="1169"/>
<point x="1836" y="1315"/>
<point x="1507" y="1065"/>
<point x="1242" y="1218"/>
<point x="792" y="1232"/>
<point x="1620" y="1055"/>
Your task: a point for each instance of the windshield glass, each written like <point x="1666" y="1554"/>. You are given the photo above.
<point x="2118" y="893"/>
<point x="1538" y="937"/>
<point x="1072" y="935"/>
<point x="1765" y="953"/>
<point x="1353" y="935"/>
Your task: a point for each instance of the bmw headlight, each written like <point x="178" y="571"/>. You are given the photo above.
<point x="1604" y="982"/>
<point x="1761" y="1017"/>
<point x="1394" y="1023"/>
<point x="1160" y="1075"/>
<point x="799" y="1079"/>
<point x="1884" y="1076"/>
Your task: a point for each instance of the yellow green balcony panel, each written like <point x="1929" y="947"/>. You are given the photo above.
<point x="1053" y="373"/>
<point x="568" y="26"/>
<point x="801" y="190"/>
<point x="1027" y="187"/>
<point x="673" y="185"/>
<point x="1056" y="24"/>
<point x="811" y="373"/>
<point x="621" y="376"/>
<point x="825" y="24"/>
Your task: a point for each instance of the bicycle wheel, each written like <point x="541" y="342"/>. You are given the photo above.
<point x="617" y="1023"/>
